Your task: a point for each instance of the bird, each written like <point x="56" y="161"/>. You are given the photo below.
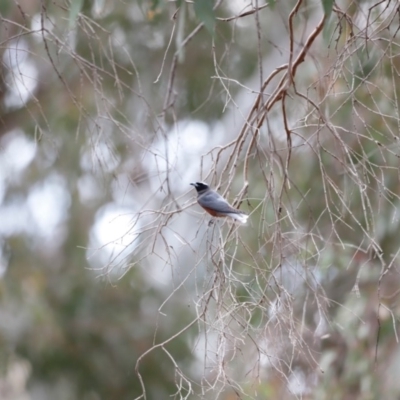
<point x="216" y="205"/>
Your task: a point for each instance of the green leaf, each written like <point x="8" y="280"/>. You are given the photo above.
<point x="76" y="7"/>
<point x="271" y="4"/>
<point x="205" y="13"/>
<point x="327" y="6"/>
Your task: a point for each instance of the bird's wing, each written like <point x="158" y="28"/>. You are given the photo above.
<point x="217" y="203"/>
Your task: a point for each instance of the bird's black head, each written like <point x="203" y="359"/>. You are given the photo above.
<point x="200" y="186"/>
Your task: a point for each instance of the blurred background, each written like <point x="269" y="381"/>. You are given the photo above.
<point x="114" y="284"/>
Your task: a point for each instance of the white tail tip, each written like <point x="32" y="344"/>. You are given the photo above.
<point x="242" y="218"/>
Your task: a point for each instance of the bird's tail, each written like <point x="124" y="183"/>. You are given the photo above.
<point x="240" y="217"/>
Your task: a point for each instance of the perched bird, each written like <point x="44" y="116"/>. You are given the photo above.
<point x="216" y="205"/>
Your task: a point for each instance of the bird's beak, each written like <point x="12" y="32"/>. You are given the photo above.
<point x="193" y="184"/>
